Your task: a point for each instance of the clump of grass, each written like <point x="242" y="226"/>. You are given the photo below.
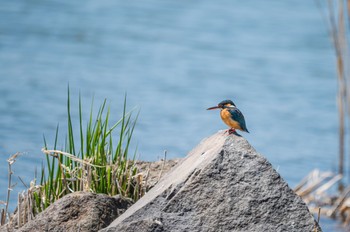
<point x="100" y="165"/>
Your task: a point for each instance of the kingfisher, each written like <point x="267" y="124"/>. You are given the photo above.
<point x="231" y="116"/>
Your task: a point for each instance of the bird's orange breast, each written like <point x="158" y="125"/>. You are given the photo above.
<point x="226" y="117"/>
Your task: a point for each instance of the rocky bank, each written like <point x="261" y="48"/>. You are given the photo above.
<point x="222" y="185"/>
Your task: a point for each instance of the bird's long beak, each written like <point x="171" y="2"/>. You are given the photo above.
<point x="213" y="108"/>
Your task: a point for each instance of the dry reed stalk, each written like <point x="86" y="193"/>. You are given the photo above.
<point x="114" y="170"/>
<point x="318" y="220"/>
<point x="312" y="188"/>
<point x="86" y="180"/>
<point x="337" y="30"/>
<point x="302" y="183"/>
<point x="19" y="211"/>
<point x="30" y="206"/>
<point x="329" y="184"/>
<point x="70" y="156"/>
<point x="129" y="176"/>
<point x="342" y="99"/>
<point x="339" y="202"/>
<point x="3" y="216"/>
<point x="10" y="161"/>
<point x="161" y="170"/>
<point x="147" y="176"/>
<point x="25" y="209"/>
<point x="313" y="181"/>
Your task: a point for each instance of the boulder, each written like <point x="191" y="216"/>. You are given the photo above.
<point x="79" y="211"/>
<point x="222" y="185"/>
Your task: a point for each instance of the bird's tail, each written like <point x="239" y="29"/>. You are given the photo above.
<point x="246" y="129"/>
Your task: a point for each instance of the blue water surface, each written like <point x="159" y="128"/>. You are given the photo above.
<point x="173" y="59"/>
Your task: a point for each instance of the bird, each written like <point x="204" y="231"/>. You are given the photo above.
<point x="231" y="116"/>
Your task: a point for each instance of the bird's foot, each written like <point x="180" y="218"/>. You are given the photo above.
<point x="231" y="131"/>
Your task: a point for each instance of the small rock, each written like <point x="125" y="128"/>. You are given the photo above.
<point x="79" y="211"/>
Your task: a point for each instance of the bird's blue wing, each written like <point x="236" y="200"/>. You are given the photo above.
<point x="238" y="117"/>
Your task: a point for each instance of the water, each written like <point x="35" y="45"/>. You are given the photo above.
<point x="173" y="59"/>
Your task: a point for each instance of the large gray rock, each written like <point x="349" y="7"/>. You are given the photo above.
<point x="79" y="211"/>
<point x="222" y="185"/>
